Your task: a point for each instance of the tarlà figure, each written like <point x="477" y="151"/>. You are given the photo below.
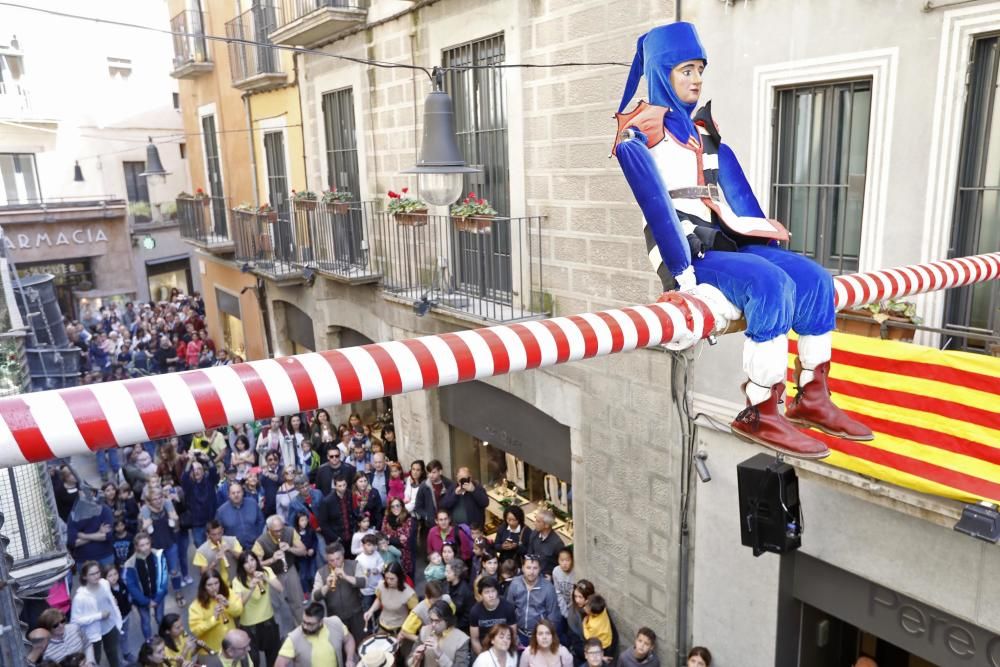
<point x="707" y="235"/>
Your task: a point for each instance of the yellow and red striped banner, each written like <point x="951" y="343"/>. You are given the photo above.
<point x="935" y="414"/>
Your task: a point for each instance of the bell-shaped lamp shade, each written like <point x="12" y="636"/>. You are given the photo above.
<point x="153" y="165"/>
<point x="77" y="172"/>
<point x="441" y="165"/>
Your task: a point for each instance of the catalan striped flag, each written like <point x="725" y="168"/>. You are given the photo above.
<point x="935" y="415"/>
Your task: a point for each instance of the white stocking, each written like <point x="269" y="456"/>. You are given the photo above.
<point x="765" y="365"/>
<point x="813" y="351"/>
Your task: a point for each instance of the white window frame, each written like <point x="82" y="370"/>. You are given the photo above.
<point x="881" y="67"/>
<point x="959" y="28"/>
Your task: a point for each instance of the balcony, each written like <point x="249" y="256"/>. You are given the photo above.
<point x="330" y="239"/>
<point x="487" y="270"/>
<point x="309" y="23"/>
<point x="190" y="54"/>
<point x="203" y="222"/>
<point x="255" y="67"/>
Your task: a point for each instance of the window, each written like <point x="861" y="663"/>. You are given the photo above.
<point x="183" y="148"/>
<point x="177" y="100"/>
<point x="976" y="228"/>
<point x="19" y="178"/>
<point x="819" y="169"/>
<point x="119" y="68"/>
<point x="342" y="172"/>
<point x="137" y="191"/>
<point x="480" y="97"/>
<point x="11" y="73"/>
<point x="213" y="168"/>
<point x="341" y="142"/>
<point x="285" y="245"/>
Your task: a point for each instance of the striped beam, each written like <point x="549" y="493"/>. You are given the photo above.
<point x="859" y="289"/>
<point x="40" y="426"/>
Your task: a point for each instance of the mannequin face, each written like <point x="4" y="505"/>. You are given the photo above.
<point x="686" y="80"/>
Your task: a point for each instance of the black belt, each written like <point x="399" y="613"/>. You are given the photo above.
<point x="710" y="191"/>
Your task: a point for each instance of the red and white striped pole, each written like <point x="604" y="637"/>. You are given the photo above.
<point x="42" y="425"/>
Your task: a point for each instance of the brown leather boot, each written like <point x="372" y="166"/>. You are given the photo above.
<point x="813" y="408"/>
<point x="765" y="425"/>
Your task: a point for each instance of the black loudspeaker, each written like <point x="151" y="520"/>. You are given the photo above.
<point x="770" y="513"/>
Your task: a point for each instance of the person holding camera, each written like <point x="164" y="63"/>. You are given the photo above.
<point x="467" y="500"/>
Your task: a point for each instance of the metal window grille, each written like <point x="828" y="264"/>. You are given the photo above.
<point x="277" y="188"/>
<point x="214" y="167"/>
<point x="342" y="170"/>
<point x="480" y="99"/>
<point x="976" y="309"/>
<point x="818" y="180"/>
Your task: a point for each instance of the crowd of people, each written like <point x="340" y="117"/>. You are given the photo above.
<point x="301" y="541"/>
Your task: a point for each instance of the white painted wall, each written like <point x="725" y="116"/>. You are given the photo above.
<point x="78" y="111"/>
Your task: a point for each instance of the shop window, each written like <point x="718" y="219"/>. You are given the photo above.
<point x="19" y="177"/>
<point x="820" y="160"/>
<point x="976" y="230"/>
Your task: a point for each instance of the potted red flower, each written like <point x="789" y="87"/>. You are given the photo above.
<point x="407" y="210"/>
<point x="473" y="214"/>
<point x="269" y="213"/>
<point x="200" y="195"/>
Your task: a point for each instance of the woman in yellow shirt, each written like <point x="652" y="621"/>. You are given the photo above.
<point x="253" y="584"/>
<point x="215" y="610"/>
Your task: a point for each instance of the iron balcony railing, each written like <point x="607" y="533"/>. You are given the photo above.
<point x="189" y="38"/>
<point x="203" y="219"/>
<point x="489" y="268"/>
<point x="249" y="60"/>
<point x="292" y="10"/>
<point x="331" y="238"/>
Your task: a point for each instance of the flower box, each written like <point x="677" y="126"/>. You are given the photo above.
<point x="476" y="224"/>
<point x="305" y="204"/>
<point x="416" y="218"/>
<point x="872" y="328"/>
<point x="338" y="207"/>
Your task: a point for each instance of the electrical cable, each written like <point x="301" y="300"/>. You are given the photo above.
<point x="316" y="52"/>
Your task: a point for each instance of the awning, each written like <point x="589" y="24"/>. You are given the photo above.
<point x="167" y="260"/>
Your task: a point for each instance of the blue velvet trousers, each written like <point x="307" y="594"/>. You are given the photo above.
<point x="776" y="289"/>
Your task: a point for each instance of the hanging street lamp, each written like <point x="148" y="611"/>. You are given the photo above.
<point x="441" y="166"/>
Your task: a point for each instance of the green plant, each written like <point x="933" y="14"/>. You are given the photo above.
<point x="305" y="195"/>
<point x="400" y="203"/>
<point x="245" y="206"/>
<point x="883" y="310"/>
<point x="333" y="196"/>
<point x="140" y="209"/>
<point x="184" y="195"/>
<point x="472" y="206"/>
<point x="168" y="209"/>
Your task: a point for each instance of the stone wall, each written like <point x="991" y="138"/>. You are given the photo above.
<point x="624" y="438"/>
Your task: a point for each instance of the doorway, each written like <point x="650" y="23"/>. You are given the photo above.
<point x="827" y="641"/>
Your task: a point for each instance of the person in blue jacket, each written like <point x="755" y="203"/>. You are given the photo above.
<point x="146" y="581"/>
<point x="707" y="235"/>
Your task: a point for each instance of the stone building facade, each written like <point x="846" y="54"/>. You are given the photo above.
<point x="615" y="420"/>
